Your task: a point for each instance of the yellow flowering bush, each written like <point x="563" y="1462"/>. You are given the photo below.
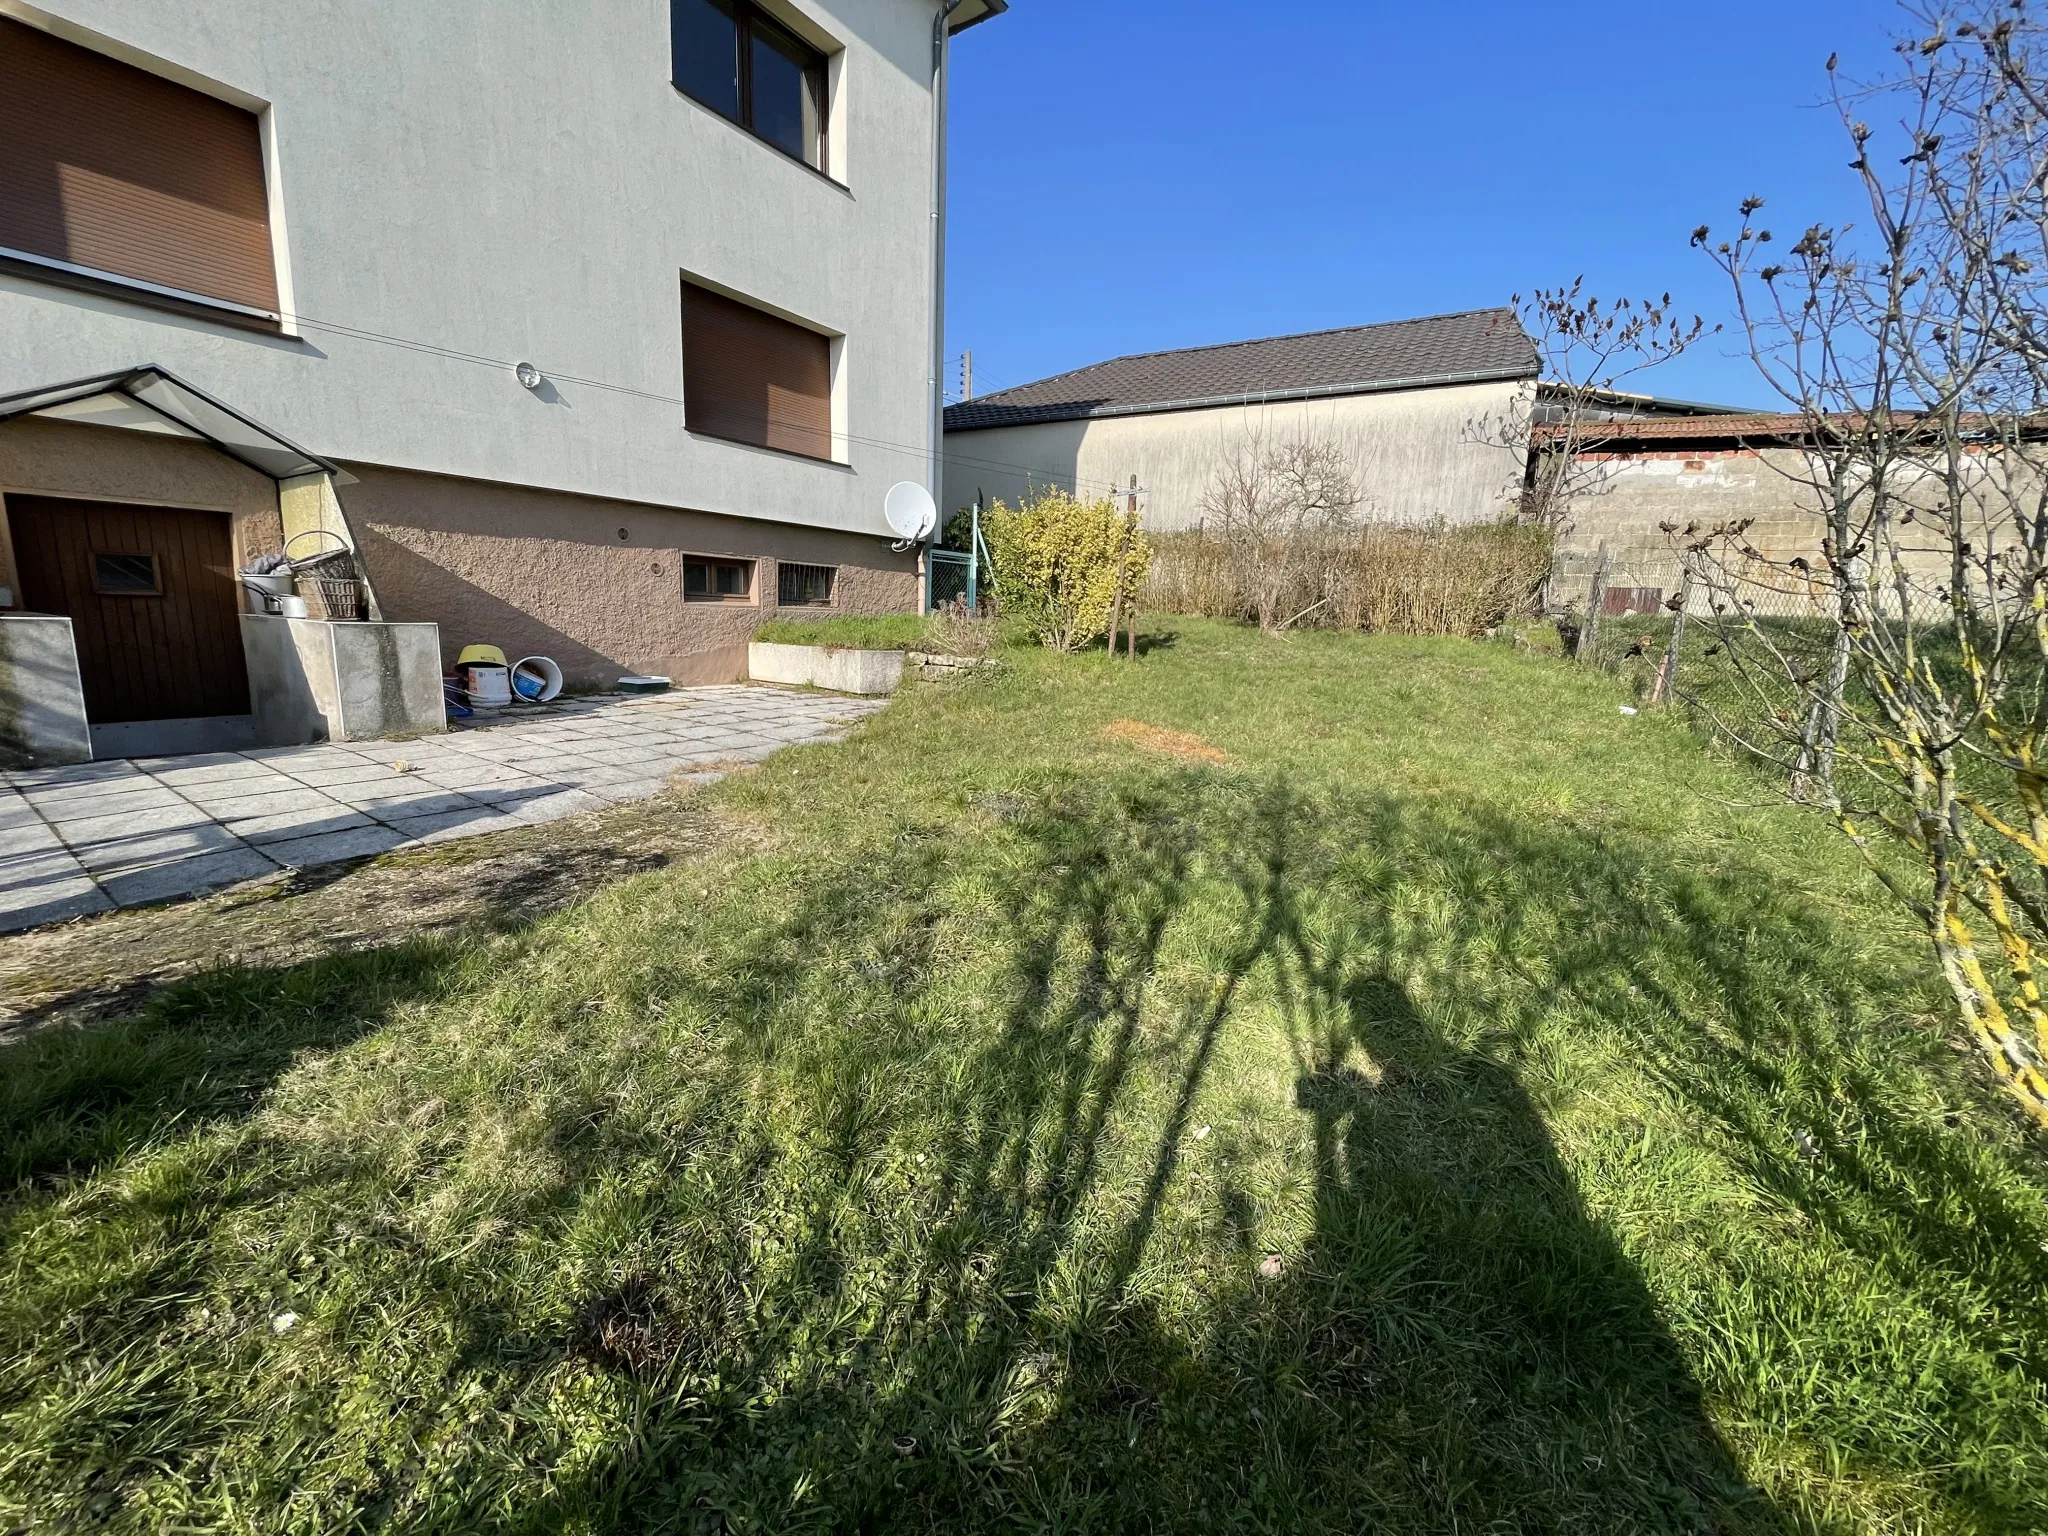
<point x="1056" y="564"/>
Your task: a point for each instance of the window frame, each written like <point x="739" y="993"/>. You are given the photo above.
<point x="712" y="562"/>
<point x="156" y="573"/>
<point x="783" y="568"/>
<point x="107" y="282"/>
<point x="818" y="71"/>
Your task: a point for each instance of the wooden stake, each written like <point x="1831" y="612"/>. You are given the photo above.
<point x="1667" y="674"/>
<point x="1116" y="608"/>
<point x="1589" y="632"/>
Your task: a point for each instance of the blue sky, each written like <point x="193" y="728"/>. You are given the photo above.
<point x="1132" y="175"/>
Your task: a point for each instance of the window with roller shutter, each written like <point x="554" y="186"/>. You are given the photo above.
<point x="752" y="377"/>
<point x="108" y="169"/>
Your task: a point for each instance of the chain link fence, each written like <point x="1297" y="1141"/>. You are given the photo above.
<point x="1743" y="649"/>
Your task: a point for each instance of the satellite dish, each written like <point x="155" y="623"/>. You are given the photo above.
<point x="910" y="511"/>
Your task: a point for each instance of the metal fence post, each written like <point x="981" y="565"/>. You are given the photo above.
<point x="1589" y="632"/>
<point x="974" y="557"/>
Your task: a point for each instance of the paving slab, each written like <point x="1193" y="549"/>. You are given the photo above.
<point x="147" y="848"/>
<point x="266" y="802"/>
<point x="74" y="773"/>
<point x="259" y="830"/>
<point x="185" y="877"/>
<point x="33" y="903"/>
<point x="450" y="825"/>
<point x="334" y="847"/>
<point x="103" y="807"/>
<point x="93" y="836"/>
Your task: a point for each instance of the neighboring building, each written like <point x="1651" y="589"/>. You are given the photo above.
<point x="706" y="224"/>
<point x="1424" y="407"/>
<point x="1647" y="481"/>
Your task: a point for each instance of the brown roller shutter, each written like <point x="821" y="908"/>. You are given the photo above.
<point x="109" y="167"/>
<point x="752" y="378"/>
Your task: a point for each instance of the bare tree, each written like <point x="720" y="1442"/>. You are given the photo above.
<point x="1589" y="349"/>
<point x="1280" y="511"/>
<point x="1906" y="698"/>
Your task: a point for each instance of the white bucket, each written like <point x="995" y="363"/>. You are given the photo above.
<point x="488" y="687"/>
<point x="536" y="680"/>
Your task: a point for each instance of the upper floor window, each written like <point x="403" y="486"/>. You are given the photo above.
<point x="109" y="171"/>
<point x="729" y="55"/>
<point x="752" y="377"/>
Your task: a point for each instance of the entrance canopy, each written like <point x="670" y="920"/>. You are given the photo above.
<point x="151" y="399"/>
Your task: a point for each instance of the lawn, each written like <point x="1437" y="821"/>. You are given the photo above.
<point x="1298" y="1085"/>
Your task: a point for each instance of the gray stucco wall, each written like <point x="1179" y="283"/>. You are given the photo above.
<point x="523" y="182"/>
<point x="1421" y="453"/>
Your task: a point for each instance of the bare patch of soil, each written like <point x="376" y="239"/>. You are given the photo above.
<point x="104" y="966"/>
<point x="1157" y="738"/>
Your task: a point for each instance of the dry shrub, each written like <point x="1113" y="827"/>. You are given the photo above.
<point x="1389" y="578"/>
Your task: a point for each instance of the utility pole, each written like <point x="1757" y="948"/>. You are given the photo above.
<point x="966" y="375"/>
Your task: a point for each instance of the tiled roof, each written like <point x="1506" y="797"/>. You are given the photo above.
<point x="1768" y="427"/>
<point x="1440" y="349"/>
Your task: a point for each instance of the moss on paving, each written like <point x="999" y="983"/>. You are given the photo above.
<point x="1459" y="1110"/>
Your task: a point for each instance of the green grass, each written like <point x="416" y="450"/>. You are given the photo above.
<point x="856" y="631"/>
<point x="917" y="1170"/>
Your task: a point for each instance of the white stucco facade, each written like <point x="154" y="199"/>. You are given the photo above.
<point x="1421" y="454"/>
<point x="459" y="185"/>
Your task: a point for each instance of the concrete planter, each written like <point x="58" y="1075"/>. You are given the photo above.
<point x="831" y="667"/>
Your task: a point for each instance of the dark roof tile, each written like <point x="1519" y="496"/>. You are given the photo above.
<point x="1438" y="349"/>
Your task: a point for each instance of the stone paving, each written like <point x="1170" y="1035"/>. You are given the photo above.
<point x="128" y="832"/>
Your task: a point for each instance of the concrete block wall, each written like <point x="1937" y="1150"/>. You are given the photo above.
<point x="1635" y="495"/>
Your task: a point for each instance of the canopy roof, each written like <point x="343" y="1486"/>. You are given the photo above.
<point x="152" y="399"/>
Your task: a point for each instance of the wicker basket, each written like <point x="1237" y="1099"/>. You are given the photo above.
<point x="330" y="585"/>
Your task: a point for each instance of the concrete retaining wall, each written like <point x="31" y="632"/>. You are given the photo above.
<point x="826" y="666"/>
<point x="310" y="680"/>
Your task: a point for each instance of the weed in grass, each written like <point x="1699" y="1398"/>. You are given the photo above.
<point x="922" y="1170"/>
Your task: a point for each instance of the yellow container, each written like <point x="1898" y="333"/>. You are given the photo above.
<point x="480" y="656"/>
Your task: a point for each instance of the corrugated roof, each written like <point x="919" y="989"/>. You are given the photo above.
<point x="1475" y="345"/>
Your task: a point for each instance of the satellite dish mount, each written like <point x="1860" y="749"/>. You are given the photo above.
<point x="910" y="512"/>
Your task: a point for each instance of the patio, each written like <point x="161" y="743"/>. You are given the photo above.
<point x="129" y="832"/>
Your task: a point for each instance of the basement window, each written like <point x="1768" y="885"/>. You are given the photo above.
<point x="730" y="56"/>
<point x="125" y="576"/>
<point x="804" y="586"/>
<point x="718" y="581"/>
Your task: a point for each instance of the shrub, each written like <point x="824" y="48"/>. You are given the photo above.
<point x="1056" y="565"/>
<point x="1389" y="578"/>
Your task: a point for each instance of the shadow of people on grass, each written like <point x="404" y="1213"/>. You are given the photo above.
<point x="1455" y="1343"/>
<point x="1171" y="1151"/>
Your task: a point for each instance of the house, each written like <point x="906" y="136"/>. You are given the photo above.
<point x="589" y="330"/>
<point x="1422" y="407"/>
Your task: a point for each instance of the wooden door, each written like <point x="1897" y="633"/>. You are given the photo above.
<point x="150" y="592"/>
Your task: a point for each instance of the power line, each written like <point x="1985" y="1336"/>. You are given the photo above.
<point x="454" y="354"/>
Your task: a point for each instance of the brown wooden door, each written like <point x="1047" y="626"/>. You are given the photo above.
<point x="150" y="592"/>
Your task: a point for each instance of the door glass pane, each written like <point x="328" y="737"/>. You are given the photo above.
<point x="785" y="113"/>
<point x="705" y="40"/>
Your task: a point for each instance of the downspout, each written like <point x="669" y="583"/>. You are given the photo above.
<point x="942" y="43"/>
